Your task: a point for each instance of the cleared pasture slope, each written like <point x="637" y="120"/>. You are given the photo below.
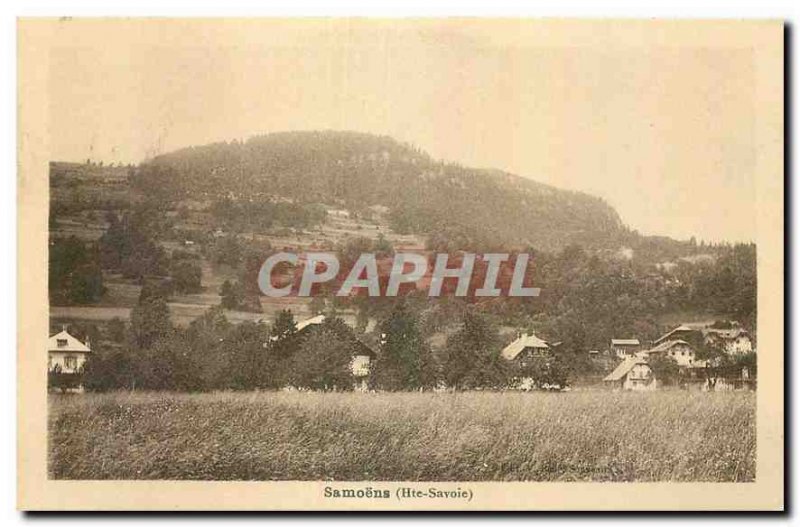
<point x="576" y="436"/>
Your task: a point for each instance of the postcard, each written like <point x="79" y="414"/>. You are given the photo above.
<point x="400" y="264"/>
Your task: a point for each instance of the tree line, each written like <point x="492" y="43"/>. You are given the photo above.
<point x="150" y="353"/>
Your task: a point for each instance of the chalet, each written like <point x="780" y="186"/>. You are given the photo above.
<point x="678" y="350"/>
<point x="66" y="355"/>
<point x="633" y="373"/>
<point x="362" y="354"/>
<point x="624" y="348"/>
<point x="525" y="348"/>
<point x="734" y="341"/>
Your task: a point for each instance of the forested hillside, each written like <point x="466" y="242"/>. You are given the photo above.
<point x="141" y="254"/>
<point x="477" y="208"/>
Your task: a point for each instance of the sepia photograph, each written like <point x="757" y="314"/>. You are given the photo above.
<point x="401" y="263"/>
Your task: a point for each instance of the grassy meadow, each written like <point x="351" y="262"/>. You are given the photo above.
<point x="574" y="436"/>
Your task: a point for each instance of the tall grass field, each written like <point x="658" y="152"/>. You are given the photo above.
<point x="573" y="436"/>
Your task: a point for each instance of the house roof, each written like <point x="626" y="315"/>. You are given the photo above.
<point x="319" y="319"/>
<point x="511" y="351"/>
<point x="698" y="325"/>
<point x="624" y="342"/>
<point x="664" y="346"/>
<point x="731" y="333"/>
<point x="680" y="329"/>
<point x="623" y="368"/>
<point x="72" y="344"/>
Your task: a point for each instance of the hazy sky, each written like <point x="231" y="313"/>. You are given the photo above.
<point x="664" y="133"/>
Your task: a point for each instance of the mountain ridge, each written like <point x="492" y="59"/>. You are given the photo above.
<point x="480" y="207"/>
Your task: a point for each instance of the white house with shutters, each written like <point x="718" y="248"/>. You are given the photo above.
<point x="66" y="353"/>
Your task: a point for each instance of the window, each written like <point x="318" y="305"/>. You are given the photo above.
<point x="61" y="343"/>
<point x="70" y="362"/>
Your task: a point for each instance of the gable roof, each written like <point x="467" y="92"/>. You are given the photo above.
<point x="664" y="346"/>
<point x="72" y="345"/>
<point x="680" y="329"/>
<point x="625" y="342"/>
<point x="623" y="368"/>
<point x="319" y="319"/>
<point x="511" y="351"/>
